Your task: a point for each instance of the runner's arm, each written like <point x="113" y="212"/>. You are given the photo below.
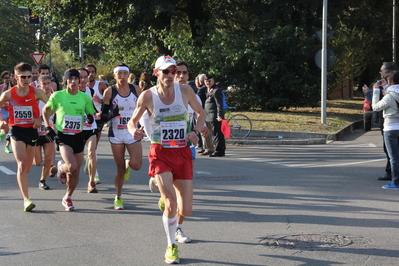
<point x="143" y="103"/>
<point x="193" y="102"/>
<point x="5" y="97"/>
<point x="46" y="113"/>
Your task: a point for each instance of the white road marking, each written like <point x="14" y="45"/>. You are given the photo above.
<point x="342" y="164"/>
<point x="303" y="165"/>
<point x="203" y="173"/>
<point x="7" y="171"/>
<point x="367" y="145"/>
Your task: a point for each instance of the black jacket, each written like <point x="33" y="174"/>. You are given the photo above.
<point x="214" y="104"/>
<point x="202" y="94"/>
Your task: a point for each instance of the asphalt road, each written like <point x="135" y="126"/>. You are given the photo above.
<point x="259" y="205"/>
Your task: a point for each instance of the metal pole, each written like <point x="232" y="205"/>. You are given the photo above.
<point x="394" y="34"/>
<point x="324" y="66"/>
<point x="49" y="41"/>
<point x="81" y="55"/>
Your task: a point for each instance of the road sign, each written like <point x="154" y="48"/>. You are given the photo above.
<point x="330" y="58"/>
<point x="37" y="58"/>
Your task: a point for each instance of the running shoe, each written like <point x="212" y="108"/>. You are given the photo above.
<point x="97" y="179"/>
<point x="391" y="185"/>
<point x="181" y="237"/>
<point x="28" y="205"/>
<point x="127" y="173"/>
<point x="118" y="203"/>
<point x="91" y="188"/>
<point x="43" y="185"/>
<point x="86" y="167"/>
<point x="7" y="149"/>
<point x="161" y="204"/>
<point x="61" y="175"/>
<point x="67" y="203"/>
<point x="53" y="171"/>
<point x="153" y="185"/>
<point x="68" y="178"/>
<point x="172" y="255"/>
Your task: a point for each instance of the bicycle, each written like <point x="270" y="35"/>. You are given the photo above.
<point x="240" y="125"/>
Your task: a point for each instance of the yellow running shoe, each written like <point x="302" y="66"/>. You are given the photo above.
<point x="161" y="204"/>
<point x="127" y="173"/>
<point x="97" y="179"/>
<point x="28" y="205"/>
<point x="118" y="203"/>
<point x="172" y="255"/>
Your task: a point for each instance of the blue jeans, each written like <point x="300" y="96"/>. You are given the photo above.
<point x="391" y="139"/>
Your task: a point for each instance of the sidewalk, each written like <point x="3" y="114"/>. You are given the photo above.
<point x="261" y="137"/>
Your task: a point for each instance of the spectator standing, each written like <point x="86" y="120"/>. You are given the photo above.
<point x="389" y="104"/>
<point x="214" y="115"/>
<point x="381" y="85"/>
<point x="206" y="144"/>
<point x="146" y="77"/>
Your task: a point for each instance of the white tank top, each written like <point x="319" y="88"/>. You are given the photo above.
<point x="87" y="126"/>
<point x="126" y="106"/>
<point x="97" y="92"/>
<point x="42" y="129"/>
<point x="169" y="123"/>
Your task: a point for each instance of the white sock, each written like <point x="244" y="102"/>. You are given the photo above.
<point x="178" y="226"/>
<point x="67" y="197"/>
<point x="170" y="229"/>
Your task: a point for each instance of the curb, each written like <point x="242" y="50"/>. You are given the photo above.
<point x="260" y="137"/>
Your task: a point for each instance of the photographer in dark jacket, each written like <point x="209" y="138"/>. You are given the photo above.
<point x="215" y="114"/>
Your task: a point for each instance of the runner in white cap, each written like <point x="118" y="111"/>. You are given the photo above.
<point x="168" y="128"/>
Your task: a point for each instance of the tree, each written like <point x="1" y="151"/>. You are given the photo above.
<point x="264" y="49"/>
<point x="17" y="38"/>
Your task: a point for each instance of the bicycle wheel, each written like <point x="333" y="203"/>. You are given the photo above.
<point x="240" y="126"/>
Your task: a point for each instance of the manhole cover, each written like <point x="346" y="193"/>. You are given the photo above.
<point x="307" y="241"/>
<point x="221" y="178"/>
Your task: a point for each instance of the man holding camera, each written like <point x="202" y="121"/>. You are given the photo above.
<point x="382" y="84"/>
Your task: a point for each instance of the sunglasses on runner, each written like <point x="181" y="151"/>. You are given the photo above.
<point x="24" y="76"/>
<point x="167" y="71"/>
<point x="182" y="72"/>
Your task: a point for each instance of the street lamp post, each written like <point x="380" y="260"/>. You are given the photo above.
<point x="394" y="33"/>
<point x="81" y="51"/>
<point x="49" y="40"/>
<point x="324" y="66"/>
